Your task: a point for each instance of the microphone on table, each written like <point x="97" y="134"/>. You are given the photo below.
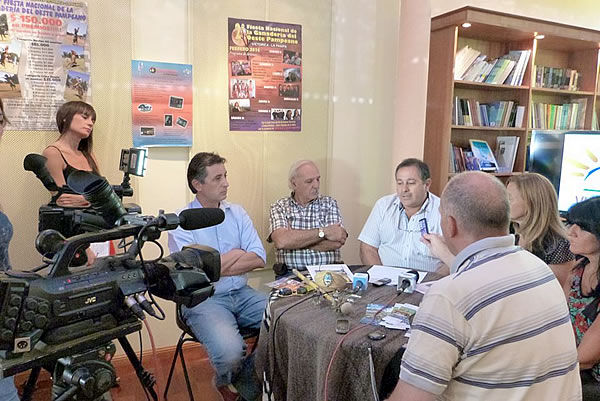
<point x="407" y="282"/>
<point x="346" y="308"/>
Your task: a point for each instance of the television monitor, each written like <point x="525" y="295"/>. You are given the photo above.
<point x="570" y="160"/>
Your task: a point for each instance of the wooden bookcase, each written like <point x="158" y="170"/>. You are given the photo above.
<point x="495" y="34"/>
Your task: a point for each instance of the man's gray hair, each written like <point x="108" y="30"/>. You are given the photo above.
<point x="294" y="170"/>
<point x="478" y="201"/>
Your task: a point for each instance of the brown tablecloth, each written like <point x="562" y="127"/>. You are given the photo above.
<point x="295" y="351"/>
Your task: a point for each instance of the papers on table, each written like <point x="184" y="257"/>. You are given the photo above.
<point x="339" y="268"/>
<point x="395" y="317"/>
<point x="378" y="272"/>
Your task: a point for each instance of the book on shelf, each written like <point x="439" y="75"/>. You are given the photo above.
<point x="472" y="66"/>
<point x="557" y="78"/>
<point x="559" y="116"/>
<point x="481" y="150"/>
<point x="462" y="160"/>
<point x="595" y="125"/>
<point x="472" y="113"/>
<point x="463" y="60"/>
<point x="506" y="153"/>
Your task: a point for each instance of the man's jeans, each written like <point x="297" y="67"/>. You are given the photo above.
<point x="216" y="323"/>
<point x="8" y="392"/>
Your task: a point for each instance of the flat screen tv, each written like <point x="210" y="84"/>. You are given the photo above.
<point x="570" y="160"/>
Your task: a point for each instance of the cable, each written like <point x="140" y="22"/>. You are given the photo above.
<point x="140" y="243"/>
<point x="140" y="340"/>
<point x="341" y="340"/>
<point x="372" y="374"/>
<point x="157" y="372"/>
<point x="273" y="330"/>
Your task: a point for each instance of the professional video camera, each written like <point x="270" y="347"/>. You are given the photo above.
<point x="66" y="319"/>
<point x="72" y="221"/>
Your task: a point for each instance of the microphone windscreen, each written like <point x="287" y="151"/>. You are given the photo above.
<point x="193" y="219"/>
<point x="346" y="308"/>
<point x="33" y="162"/>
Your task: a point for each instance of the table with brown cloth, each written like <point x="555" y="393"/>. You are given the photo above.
<point x="295" y="350"/>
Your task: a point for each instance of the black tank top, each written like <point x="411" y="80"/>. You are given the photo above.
<point x="67" y="170"/>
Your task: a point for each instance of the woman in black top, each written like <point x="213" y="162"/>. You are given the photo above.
<point x="73" y="149"/>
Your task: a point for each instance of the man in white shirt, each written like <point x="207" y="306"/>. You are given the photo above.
<point x="392" y="236"/>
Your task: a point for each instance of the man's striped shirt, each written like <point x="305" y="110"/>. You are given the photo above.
<point x="497" y="329"/>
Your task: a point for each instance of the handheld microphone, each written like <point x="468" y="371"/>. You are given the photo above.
<point x="407" y="282"/>
<point x="346" y="308"/>
<point x="37" y="164"/>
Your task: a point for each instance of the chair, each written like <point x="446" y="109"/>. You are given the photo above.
<point x="188" y="335"/>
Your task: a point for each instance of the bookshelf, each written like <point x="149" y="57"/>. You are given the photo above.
<point x="567" y="49"/>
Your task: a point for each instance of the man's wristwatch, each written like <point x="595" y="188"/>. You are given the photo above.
<point x="321" y="232"/>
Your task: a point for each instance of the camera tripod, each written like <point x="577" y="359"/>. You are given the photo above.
<point x="81" y="368"/>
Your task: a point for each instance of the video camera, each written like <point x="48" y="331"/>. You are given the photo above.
<point x="67" y="318"/>
<point x="72" y="221"/>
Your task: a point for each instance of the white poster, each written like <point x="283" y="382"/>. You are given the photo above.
<point x="580" y="173"/>
<point x="44" y="59"/>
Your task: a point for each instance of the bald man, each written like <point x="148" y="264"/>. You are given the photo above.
<point x="306" y="226"/>
<point x="498" y="327"/>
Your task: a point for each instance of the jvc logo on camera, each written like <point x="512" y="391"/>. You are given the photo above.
<point x="90" y="300"/>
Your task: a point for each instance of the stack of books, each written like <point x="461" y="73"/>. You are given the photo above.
<point x="470" y="65"/>
<point x="557" y="78"/>
<point x="506" y="153"/>
<point x="559" y="116"/>
<point x="471" y="113"/>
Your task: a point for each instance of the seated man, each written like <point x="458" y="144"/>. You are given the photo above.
<point x="216" y="322"/>
<point x="306" y="227"/>
<point x="391" y="236"/>
<point x="499" y="327"/>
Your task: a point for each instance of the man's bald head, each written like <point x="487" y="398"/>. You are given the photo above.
<point x="479" y="204"/>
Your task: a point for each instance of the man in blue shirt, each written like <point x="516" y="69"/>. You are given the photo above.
<point x="216" y="322"/>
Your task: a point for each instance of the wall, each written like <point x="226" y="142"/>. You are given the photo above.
<point x="362" y="61"/>
<point x="582" y="13"/>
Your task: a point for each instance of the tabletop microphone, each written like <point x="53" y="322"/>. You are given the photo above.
<point x="346" y="308"/>
<point x="407" y="282"/>
<point x="37" y="164"/>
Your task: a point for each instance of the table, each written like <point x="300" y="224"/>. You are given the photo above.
<point x="296" y="350"/>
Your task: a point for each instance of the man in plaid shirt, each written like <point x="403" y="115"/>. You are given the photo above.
<point x="306" y="227"/>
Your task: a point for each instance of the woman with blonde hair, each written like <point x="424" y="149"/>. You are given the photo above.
<point x="536" y="221"/>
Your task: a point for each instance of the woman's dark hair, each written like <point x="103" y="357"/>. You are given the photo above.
<point x="586" y="215"/>
<point x="64" y="117"/>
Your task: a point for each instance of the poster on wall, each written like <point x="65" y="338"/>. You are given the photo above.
<point x="44" y="60"/>
<point x="161" y="104"/>
<point x="265" y="76"/>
